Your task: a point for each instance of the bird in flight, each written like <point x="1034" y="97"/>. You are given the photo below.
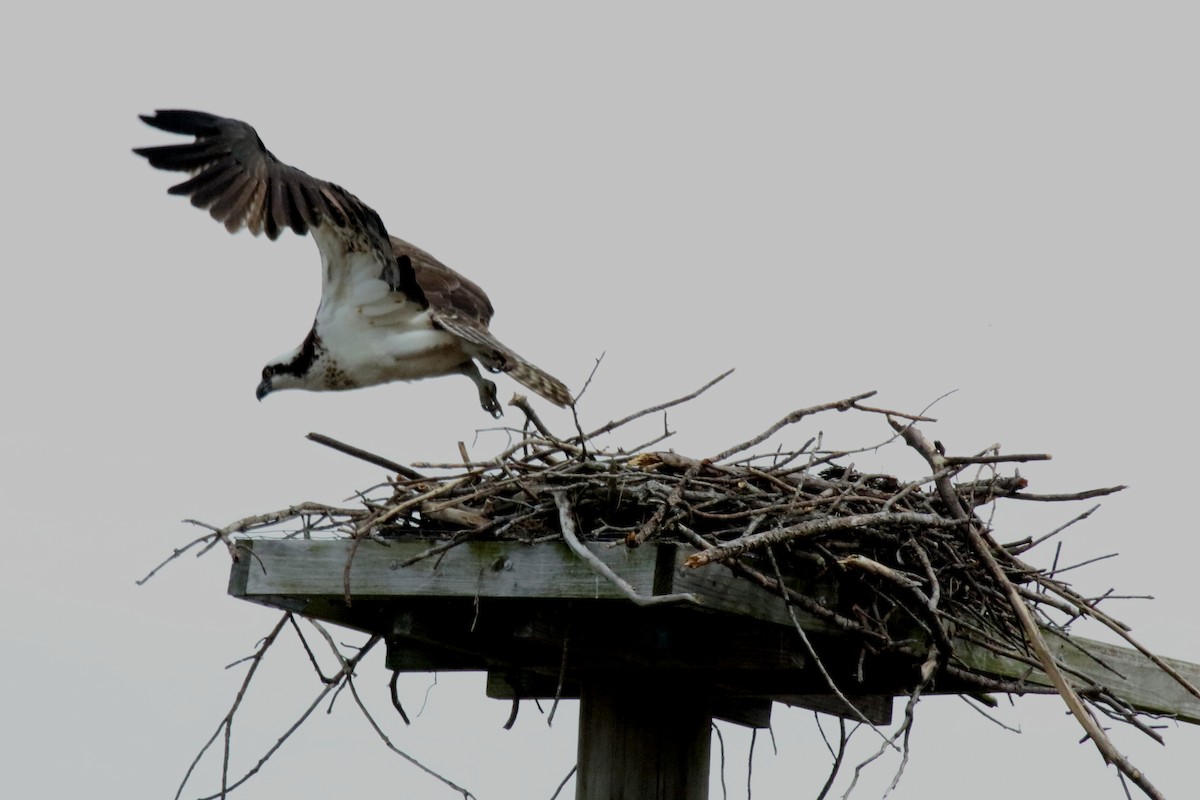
<point x="389" y="311"/>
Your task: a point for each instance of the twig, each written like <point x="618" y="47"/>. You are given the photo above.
<point x="1057" y="498"/>
<point x="882" y="570"/>
<point x="1059" y="570"/>
<point x="388" y="743"/>
<point x="816" y="527"/>
<point x="973" y="705"/>
<point x="812" y="652"/>
<point x="176" y="553"/>
<point x="1063" y="527"/>
<point x="394" y="693"/>
<point x="791" y="419"/>
<point x="843" y="740"/>
<point x="521" y="402"/>
<point x="513" y="711"/>
<point x="228" y="787"/>
<point x="1122" y="631"/>
<point x="588" y="382"/>
<point x="563" y="782"/>
<point x="312" y="658"/>
<point x="562" y="676"/>
<point x="363" y="455"/>
<point x="227" y="722"/>
<point x="650" y="527"/>
<point x="611" y="426"/>
<point x="805" y="603"/>
<point x="566" y="518"/>
<point x="1032" y="633"/>
<point x="960" y="461"/>
<point x="887" y="412"/>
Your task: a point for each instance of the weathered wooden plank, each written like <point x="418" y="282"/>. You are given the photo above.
<point x="1133" y="678"/>
<point x="307" y="576"/>
<point x="1130" y="675"/>
<point x="721" y="590"/>
<point x="600" y="636"/>
<point x="642" y="741"/>
<point x="473" y="569"/>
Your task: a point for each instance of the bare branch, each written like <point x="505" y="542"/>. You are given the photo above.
<point x="611" y="426"/>
<point x="818" y="527"/>
<point x="791" y="419"/>
<point x="567" y="520"/>
<point x="363" y="455"/>
<point x="1058" y="498"/>
<point x="388" y="743"/>
<point x="1032" y="632"/>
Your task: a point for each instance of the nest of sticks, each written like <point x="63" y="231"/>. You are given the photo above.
<point x="920" y="548"/>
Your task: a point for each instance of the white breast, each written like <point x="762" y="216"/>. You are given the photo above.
<point x="390" y="339"/>
<point x="372" y="334"/>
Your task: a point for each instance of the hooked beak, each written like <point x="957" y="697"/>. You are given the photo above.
<point x="263" y="389"/>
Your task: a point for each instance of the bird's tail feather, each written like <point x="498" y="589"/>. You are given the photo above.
<point x="498" y="358"/>
<point x="538" y="381"/>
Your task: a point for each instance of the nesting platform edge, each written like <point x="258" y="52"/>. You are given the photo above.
<point x="540" y="620"/>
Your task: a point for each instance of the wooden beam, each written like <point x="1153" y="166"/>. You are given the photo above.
<point x="640" y="740"/>
<point x="307" y="576"/>
<point x="473" y="569"/>
<point x="1128" y="674"/>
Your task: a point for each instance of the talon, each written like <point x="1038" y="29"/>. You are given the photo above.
<point x="488" y="399"/>
<point x="487" y="390"/>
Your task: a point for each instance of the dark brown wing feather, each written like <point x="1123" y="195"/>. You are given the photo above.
<point x="459" y="306"/>
<point x="243" y="185"/>
<point x="445" y="289"/>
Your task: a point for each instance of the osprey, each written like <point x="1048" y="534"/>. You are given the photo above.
<point x="389" y="311"/>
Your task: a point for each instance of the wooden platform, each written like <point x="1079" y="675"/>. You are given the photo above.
<point x="541" y="622"/>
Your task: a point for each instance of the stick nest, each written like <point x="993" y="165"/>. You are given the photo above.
<point x="914" y="551"/>
<point x="899" y="549"/>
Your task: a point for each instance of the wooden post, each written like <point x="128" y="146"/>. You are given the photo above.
<point x="642" y="737"/>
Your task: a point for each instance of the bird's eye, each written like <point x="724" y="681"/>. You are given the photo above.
<point x="268" y="372"/>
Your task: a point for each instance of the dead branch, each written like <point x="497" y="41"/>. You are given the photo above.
<point x="370" y="458"/>
<point x="567" y="520"/>
<point x="791" y="419"/>
<point x="1033" y="633"/>
<point x="818" y="527"/>
<point x="388" y="743"/>
<point x="612" y="426"/>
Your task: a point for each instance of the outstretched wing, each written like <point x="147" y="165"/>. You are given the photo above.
<point x="243" y="185"/>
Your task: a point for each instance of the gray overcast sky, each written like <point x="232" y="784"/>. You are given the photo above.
<point x="913" y="198"/>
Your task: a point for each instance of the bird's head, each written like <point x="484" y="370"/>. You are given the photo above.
<point x="294" y="369"/>
<point x="289" y="371"/>
<point x="274" y="377"/>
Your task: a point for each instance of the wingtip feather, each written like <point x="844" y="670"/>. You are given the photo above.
<point x="179" y="120"/>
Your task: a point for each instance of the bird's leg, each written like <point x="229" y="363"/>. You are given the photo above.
<point x="487" y="389"/>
